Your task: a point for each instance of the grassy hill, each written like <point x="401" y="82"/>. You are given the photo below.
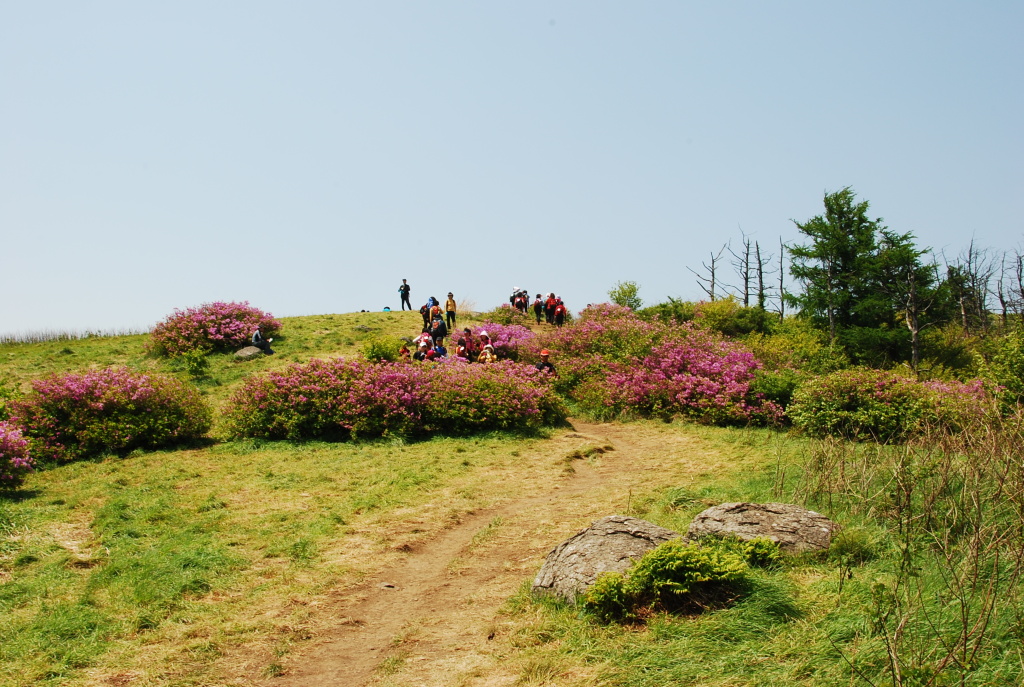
<point x="228" y="563"/>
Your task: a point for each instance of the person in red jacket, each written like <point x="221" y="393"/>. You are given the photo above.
<point x="549" y="308"/>
<point x="559" y="313"/>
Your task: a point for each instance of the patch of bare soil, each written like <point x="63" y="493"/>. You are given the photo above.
<point x="433" y="617"/>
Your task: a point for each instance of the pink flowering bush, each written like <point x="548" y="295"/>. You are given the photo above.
<point x="210" y="327"/>
<point x="882" y="406"/>
<point x="507" y="339"/>
<point x="467" y="398"/>
<point x="613" y="363"/>
<point x="15" y="461"/>
<point x="337" y="399"/>
<point x="330" y="399"/>
<point x="111" y="410"/>
<point x="697" y="375"/>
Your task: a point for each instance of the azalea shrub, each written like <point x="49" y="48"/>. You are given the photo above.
<point x="210" y="327"/>
<point x="15" y="460"/>
<point x="507" y="339"/>
<point x="613" y="363"/>
<point x="338" y="399"/>
<point x="468" y="398"/>
<point x="113" y="410"/>
<point x="865" y="404"/>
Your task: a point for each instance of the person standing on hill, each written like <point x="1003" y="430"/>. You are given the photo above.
<point x="559" y="313"/>
<point x="549" y="308"/>
<point x="449" y="311"/>
<point x="538" y="307"/>
<point x="404" y="290"/>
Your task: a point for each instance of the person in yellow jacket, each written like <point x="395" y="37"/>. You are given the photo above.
<point x="449" y="311"/>
<point x="487" y="355"/>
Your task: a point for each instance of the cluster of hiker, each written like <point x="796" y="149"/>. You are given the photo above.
<point x="438" y="322"/>
<point x="551" y="307"/>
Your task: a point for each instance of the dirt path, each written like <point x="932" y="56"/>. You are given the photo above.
<point x="432" y="618"/>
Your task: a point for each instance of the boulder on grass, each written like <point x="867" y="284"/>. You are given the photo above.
<point x="610" y="544"/>
<point x="793" y="528"/>
<point x="248" y="352"/>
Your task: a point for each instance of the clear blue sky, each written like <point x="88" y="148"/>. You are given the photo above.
<point x="307" y="156"/>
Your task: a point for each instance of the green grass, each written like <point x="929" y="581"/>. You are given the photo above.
<point x="106" y="556"/>
<point x="162" y="565"/>
<point x="838" y="618"/>
<point x="301" y="339"/>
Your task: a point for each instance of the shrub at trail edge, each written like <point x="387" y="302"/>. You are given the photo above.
<point x="339" y="399"/>
<point x="15" y="461"/>
<point x="864" y="404"/>
<point x="211" y="327"/>
<point x="111" y="410"/>
<point x="612" y="363"/>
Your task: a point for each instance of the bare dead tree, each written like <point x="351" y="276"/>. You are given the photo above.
<point x="744" y="269"/>
<point x="761" y="269"/>
<point x="782" y="279"/>
<point x="709" y="280"/>
<point x="969" y="278"/>
<point x="1003" y="294"/>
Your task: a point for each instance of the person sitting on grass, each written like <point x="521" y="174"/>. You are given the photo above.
<point x="263" y="344"/>
<point x="439" y="350"/>
<point x="470" y="344"/>
<point x="487" y="355"/>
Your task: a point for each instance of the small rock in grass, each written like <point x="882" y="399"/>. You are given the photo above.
<point x="793" y="528"/>
<point x="611" y="544"/>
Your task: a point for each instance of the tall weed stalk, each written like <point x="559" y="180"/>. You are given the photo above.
<point x="947" y="609"/>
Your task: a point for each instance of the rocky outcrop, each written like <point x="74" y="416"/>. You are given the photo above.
<point x="793" y="528"/>
<point x="248" y="352"/>
<point x="610" y="544"/>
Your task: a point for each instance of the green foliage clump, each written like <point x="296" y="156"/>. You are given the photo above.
<point x="760" y="552"/>
<point x="671" y="576"/>
<point x="794" y="344"/>
<point x="626" y="294"/>
<point x="110" y="410"/>
<point x="194" y="363"/>
<point x="864" y="404"/>
<point x="674" y="311"/>
<point x="723" y="315"/>
<point x="506" y="314"/>
<point x="727" y="316"/>
<point x="382" y="349"/>
<point x="1005" y="369"/>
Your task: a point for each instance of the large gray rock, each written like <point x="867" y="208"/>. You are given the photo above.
<point x="793" y="528"/>
<point x="610" y="544"/>
<point x="248" y="352"/>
